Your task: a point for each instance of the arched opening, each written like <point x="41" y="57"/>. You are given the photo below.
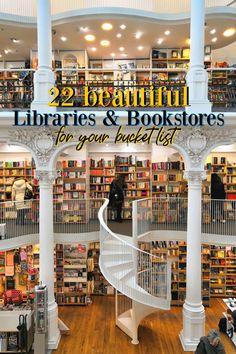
<point x="19" y="218"/>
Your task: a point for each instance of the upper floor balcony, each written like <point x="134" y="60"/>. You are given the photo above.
<point x="27" y="8"/>
<point x="82" y="88"/>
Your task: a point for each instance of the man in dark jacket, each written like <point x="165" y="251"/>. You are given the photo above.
<point x="210" y="344"/>
<point x="217" y="193"/>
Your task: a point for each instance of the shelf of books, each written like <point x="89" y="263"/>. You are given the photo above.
<point x="176" y="252"/>
<point x="71" y="274"/>
<point x="70" y="186"/>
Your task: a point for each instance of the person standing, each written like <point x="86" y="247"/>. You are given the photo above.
<point x="18" y="195"/>
<point x="217" y="196"/>
<point x="116" y="196"/>
<point x="210" y="344"/>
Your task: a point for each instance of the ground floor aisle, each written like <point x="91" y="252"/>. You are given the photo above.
<point x="93" y="330"/>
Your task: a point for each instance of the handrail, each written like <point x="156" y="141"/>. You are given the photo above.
<point x="100" y="216"/>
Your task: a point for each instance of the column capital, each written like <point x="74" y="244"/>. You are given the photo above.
<point x="45" y="177"/>
<point x="195" y="177"/>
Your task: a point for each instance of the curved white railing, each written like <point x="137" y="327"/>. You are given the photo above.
<point x="155" y="217"/>
<point x="139" y="275"/>
<point x="29" y="7"/>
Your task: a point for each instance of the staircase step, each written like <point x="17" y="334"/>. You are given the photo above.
<point x="123" y="274"/>
<point x="122" y="257"/>
<point x="119" y="266"/>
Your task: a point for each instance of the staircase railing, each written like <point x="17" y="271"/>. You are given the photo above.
<point x="149" y="283"/>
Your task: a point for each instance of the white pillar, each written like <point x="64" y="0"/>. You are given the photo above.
<point x="46" y="243"/>
<point x="197" y="77"/>
<point x="193" y="310"/>
<point x="44" y="76"/>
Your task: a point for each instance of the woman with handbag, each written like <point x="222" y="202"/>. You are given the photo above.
<point x="22" y="192"/>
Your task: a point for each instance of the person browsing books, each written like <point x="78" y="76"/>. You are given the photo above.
<point x="18" y="195"/>
<point x="116" y="195"/>
<point x="210" y="344"/>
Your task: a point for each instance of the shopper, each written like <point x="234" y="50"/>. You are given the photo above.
<point x="18" y="195"/>
<point x="116" y="196"/>
<point x="210" y="344"/>
<point x="217" y="196"/>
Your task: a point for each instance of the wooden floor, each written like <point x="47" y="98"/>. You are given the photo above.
<point x="93" y="330"/>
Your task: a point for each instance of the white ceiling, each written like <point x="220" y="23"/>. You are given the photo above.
<point x="151" y="30"/>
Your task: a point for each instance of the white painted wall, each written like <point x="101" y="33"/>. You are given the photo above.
<point x="227" y="54"/>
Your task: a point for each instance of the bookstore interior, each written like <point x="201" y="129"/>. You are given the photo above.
<point x="64" y="253"/>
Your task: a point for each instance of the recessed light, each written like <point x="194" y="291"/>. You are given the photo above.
<point x="140" y="47"/>
<point x="107" y="26"/>
<point x="119" y="35"/>
<point x="93" y="49"/>
<point x="105" y="43"/>
<point x="160" y="40"/>
<point x="213" y="31"/>
<point x="89" y="37"/>
<point x="138" y="35"/>
<point x="0" y="55"/>
<point x="167" y="33"/>
<point x="121" y="49"/>
<point x="84" y="29"/>
<point x="6" y="51"/>
<point x="124" y="54"/>
<point x="113" y="55"/>
<point x="229" y="32"/>
<point x="123" y="27"/>
<point x="14" y="40"/>
<point x="214" y="39"/>
<point x="63" y="39"/>
<point x="188" y="41"/>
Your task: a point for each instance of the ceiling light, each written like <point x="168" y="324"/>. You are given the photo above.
<point x="123" y="27"/>
<point x="107" y="26"/>
<point x="119" y="35"/>
<point x="138" y="35"/>
<point x="63" y="39"/>
<point x="213" y="31"/>
<point x="188" y="41"/>
<point x="105" y="43"/>
<point x="0" y="55"/>
<point x="84" y="29"/>
<point x="6" y="51"/>
<point x="214" y="39"/>
<point x="229" y="32"/>
<point x="89" y="37"/>
<point x="140" y="47"/>
<point x="160" y="40"/>
<point x="123" y="54"/>
<point x="14" y="40"/>
<point x="93" y="49"/>
<point x="167" y="33"/>
<point x="113" y="55"/>
<point x="121" y="49"/>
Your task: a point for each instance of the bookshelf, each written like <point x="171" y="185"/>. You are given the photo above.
<point x="98" y="284"/>
<point x="176" y="252"/>
<point x="71" y="274"/>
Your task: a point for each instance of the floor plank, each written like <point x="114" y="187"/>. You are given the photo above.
<point x="93" y="330"/>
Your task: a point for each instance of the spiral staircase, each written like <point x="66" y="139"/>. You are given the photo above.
<point x="137" y="274"/>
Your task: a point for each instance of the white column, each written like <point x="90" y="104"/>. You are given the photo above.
<point x="46" y="242"/>
<point x="193" y="310"/>
<point x="44" y="76"/>
<point x="197" y="77"/>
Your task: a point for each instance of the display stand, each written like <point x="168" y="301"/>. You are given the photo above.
<point x="41" y="320"/>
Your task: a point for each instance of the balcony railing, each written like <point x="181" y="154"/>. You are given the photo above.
<point x="17" y="89"/>
<point x="170" y="214"/>
<point x="69" y="217"/>
<point x="28" y="7"/>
